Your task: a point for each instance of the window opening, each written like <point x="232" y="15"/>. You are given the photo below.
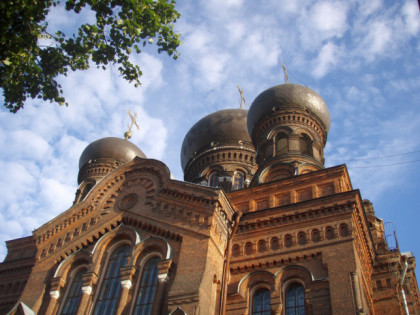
<point x="261" y="302"/>
<point x="261" y="246"/>
<point x="302" y="238"/>
<point x="288" y="242"/>
<point x="147" y="288"/>
<point x="74" y="294"/>
<point x="213" y="180"/>
<point x="238" y="181"/>
<point x="282" y="145"/>
<point x="295" y="300"/>
<point x="111" y="285"/>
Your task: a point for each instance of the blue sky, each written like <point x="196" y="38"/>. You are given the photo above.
<point x="361" y="56"/>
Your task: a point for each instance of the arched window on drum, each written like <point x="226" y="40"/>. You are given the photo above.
<point x="238" y="181"/>
<point x="213" y="180"/>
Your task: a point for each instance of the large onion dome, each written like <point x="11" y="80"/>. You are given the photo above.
<point x="288" y="125"/>
<point x="288" y="96"/>
<point x="218" y="146"/>
<point x="103" y="155"/>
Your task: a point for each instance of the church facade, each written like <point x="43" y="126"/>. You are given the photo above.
<point x="259" y="226"/>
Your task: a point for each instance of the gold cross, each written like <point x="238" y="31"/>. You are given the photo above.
<point x="286" y="77"/>
<point x="242" y="100"/>
<point x="127" y="134"/>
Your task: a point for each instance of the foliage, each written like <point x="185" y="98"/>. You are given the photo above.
<point x="29" y="69"/>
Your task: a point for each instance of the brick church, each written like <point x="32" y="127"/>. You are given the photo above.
<point x="259" y="226"/>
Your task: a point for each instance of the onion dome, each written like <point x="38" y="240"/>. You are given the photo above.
<point x="288" y="124"/>
<point x="103" y="155"/>
<point x="218" y="144"/>
<point x="288" y="96"/>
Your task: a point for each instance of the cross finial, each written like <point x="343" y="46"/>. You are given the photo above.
<point x="242" y="100"/>
<point x="286" y="77"/>
<point x="127" y="134"/>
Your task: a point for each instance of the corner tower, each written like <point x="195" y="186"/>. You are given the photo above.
<point x="217" y="151"/>
<point x="288" y="125"/>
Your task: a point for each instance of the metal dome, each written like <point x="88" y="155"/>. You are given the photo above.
<point x="287" y="96"/>
<point x="225" y="127"/>
<point x="110" y="148"/>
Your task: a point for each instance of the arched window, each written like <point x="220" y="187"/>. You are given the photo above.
<point x="238" y="181"/>
<point x="261" y="302"/>
<point x="295" y="299"/>
<point x="329" y="232"/>
<point x="111" y="284"/>
<point x="248" y="249"/>
<point x="236" y="251"/>
<point x="73" y="295"/>
<point x="274" y="243"/>
<point x="147" y="289"/>
<point x="261" y="246"/>
<point x="344" y="230"/>
<point x="316" y="236"/>
<point x="288" y="242"/>
<point x="302" y="238"/>
<point x="282" y="145"/>
<point x="305" y="144"/>
<point x="213" y="180"/>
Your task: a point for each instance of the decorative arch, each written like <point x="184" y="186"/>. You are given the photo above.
<point x="293" y="273"/>
<point x="287" y="131"/>
<point x="276" y="171"/>
<point x="152" y="244"/>
<point x="302" y="131"/>
<point x="79" y="258"/>
<point x="255" y="280"/>
<point x="116" y="237"/>
<point x="214" y="168"/>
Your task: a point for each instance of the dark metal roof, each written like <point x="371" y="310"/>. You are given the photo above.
<point x="287" y="96"/>
<point x="225" y="127"/>
<point x="112" y="148"/>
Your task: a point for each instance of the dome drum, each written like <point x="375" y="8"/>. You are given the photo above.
<point x="287" y="123"/>
<point x="225" y="162"/>
<point x="97" y="169"/>
<point x="219" y="141"/>
<point x="289" y="118"/>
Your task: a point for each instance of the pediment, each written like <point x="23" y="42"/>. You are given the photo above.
<point x="142" y="191"/>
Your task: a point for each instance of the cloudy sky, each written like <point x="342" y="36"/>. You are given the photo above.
<point x="361" y="56"/>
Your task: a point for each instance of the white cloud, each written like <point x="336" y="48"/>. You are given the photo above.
<point x="366" y="8"/>
<point x="378" y="39"/>
<point x="324" y="20"/>
<point x="236" y="32"/>
<point x="410" y="12"/>
<point x="328" y="57"/>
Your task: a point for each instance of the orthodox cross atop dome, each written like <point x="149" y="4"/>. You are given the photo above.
<point x="286" y="77"/>
<point x="128" y="134"/>
<point x="242" y="100"/>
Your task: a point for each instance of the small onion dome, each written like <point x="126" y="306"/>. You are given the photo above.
<point x="223" y="128"/>
<point x="284" y="97"/>
<point x="111" y="150"/>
